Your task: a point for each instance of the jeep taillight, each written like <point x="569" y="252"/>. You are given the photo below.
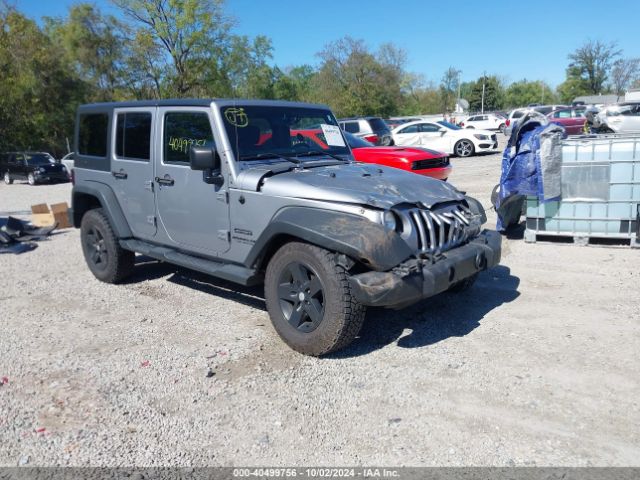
<point x="372" y="138"/>
<point x="508" y="122"/>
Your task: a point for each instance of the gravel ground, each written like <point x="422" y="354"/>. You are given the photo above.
<point x="535" y="365"/>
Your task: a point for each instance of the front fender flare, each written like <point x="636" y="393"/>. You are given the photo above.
<point x="361" y="239"/>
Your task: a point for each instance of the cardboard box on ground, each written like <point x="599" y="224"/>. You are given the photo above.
<point x="44" y="216"/>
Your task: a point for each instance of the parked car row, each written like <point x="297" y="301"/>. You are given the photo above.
<point x="619" y="118"/>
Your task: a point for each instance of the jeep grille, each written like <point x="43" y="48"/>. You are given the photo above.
<point x="439" y="230"/>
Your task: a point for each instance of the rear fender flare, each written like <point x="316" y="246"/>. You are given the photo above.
<point x="107" y="200"/>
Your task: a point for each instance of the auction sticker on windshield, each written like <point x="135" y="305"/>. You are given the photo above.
<point x="333" y="135"/>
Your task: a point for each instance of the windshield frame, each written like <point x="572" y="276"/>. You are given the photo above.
<point x="267" y="118"/>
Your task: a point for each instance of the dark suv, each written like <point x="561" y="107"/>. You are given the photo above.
<point x="34" y="167"/>
<point x="372" y="129"/>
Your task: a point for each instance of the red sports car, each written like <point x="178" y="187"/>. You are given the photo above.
<point x="417" y="160"/>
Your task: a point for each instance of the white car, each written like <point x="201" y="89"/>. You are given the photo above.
<point x="489" y="121"/>
<point x="68" y="161"/>
<point x="445" y="137"/>
<point x="621" y="118"/>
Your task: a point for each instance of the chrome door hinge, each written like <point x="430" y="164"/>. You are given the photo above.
<point x="148" y="185"/>
<point x="223" y="196"/>
<point x="224" y="235"/>
<point x="151" y="220"/>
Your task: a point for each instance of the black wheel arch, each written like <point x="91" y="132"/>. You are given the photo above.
<point x="360" y="239"/>
<point x="96" y="195"/>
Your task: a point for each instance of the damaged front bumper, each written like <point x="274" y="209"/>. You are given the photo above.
<point x="417" y="279"/>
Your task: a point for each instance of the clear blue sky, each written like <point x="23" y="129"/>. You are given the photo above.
<point x="513" y="39"/>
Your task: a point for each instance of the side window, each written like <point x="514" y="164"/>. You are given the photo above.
<point x="92" y="137"/>
<point x="410" y="129"/>
<point x="182" y="130"/>
<point x="351" y="127"/>
<point x="133" y="135"/>
<point x="472" y="119"/>
<point x="428" y="127"/>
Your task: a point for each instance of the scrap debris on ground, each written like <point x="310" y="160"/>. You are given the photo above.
<point x="18" y="236"/>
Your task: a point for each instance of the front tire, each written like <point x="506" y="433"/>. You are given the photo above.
<point x="31" y="179"/>
<point x="464" y="148"/>
<point x="309" y="300"/>
<point x="7" y="178"/>
<point x="106" y="259"/>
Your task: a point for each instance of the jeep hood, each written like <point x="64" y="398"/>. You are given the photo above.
<point x="381" y="187"/>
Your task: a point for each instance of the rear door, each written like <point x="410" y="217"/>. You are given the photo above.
<point x="132" y="168"/>
<point x="193" y="215"/>
<point x="630" y="115"/>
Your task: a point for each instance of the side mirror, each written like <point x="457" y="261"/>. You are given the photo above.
<point x="442" y="130"/>
<point x="204" y="159"/>
<point x="208" y="161"/>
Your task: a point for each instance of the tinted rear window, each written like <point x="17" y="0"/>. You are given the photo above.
<point x="377" y="124"/>
<point x="517" y="114"/>
<point x="133" y="135"/>
<point x="351" y="127"/>
<point x="92" y="137"/>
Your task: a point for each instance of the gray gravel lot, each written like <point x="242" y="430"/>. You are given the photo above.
<point x="535" y="365"/>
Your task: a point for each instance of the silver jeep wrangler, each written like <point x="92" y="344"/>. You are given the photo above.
<point x="268" y="192"/>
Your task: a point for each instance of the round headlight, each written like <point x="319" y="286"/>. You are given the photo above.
<point x="389" y="220"/>
<point x="41" y="170"/>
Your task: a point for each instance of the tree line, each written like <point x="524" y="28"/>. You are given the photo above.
<point x="188" y="48"/>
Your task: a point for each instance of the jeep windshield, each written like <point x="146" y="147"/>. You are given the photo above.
<point x="263" y="132"/>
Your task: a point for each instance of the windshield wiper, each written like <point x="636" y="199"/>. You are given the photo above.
<point x="259" y="156"/>
<point x="311" y="153"/>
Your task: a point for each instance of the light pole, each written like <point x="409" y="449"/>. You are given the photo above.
<point x="458" y="102"/>
<point x="484" y="79"/>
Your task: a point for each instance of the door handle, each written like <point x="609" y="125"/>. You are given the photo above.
<point x="121" y="174"/>
<point x="167" y="180"/>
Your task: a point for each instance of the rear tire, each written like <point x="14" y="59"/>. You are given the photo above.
<point x="7" y="178"/>
<point x="106" y="259"/>
<point x="309" y="300"/>
<point x="502" y="127"/>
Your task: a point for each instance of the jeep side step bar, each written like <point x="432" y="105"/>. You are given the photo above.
<point x="226" y="271"/>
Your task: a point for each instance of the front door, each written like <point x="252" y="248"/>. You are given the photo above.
<point x="194" y="215"/>
<point x="432" y="137"/>
<point x="132" y="168"/>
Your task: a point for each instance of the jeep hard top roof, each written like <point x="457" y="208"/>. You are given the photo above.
<point x="199" y="102"/>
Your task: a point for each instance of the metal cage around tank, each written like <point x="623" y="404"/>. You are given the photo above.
<point x="600" y="192"/>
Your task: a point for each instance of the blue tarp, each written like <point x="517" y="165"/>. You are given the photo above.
<point x="523" y="170"/>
